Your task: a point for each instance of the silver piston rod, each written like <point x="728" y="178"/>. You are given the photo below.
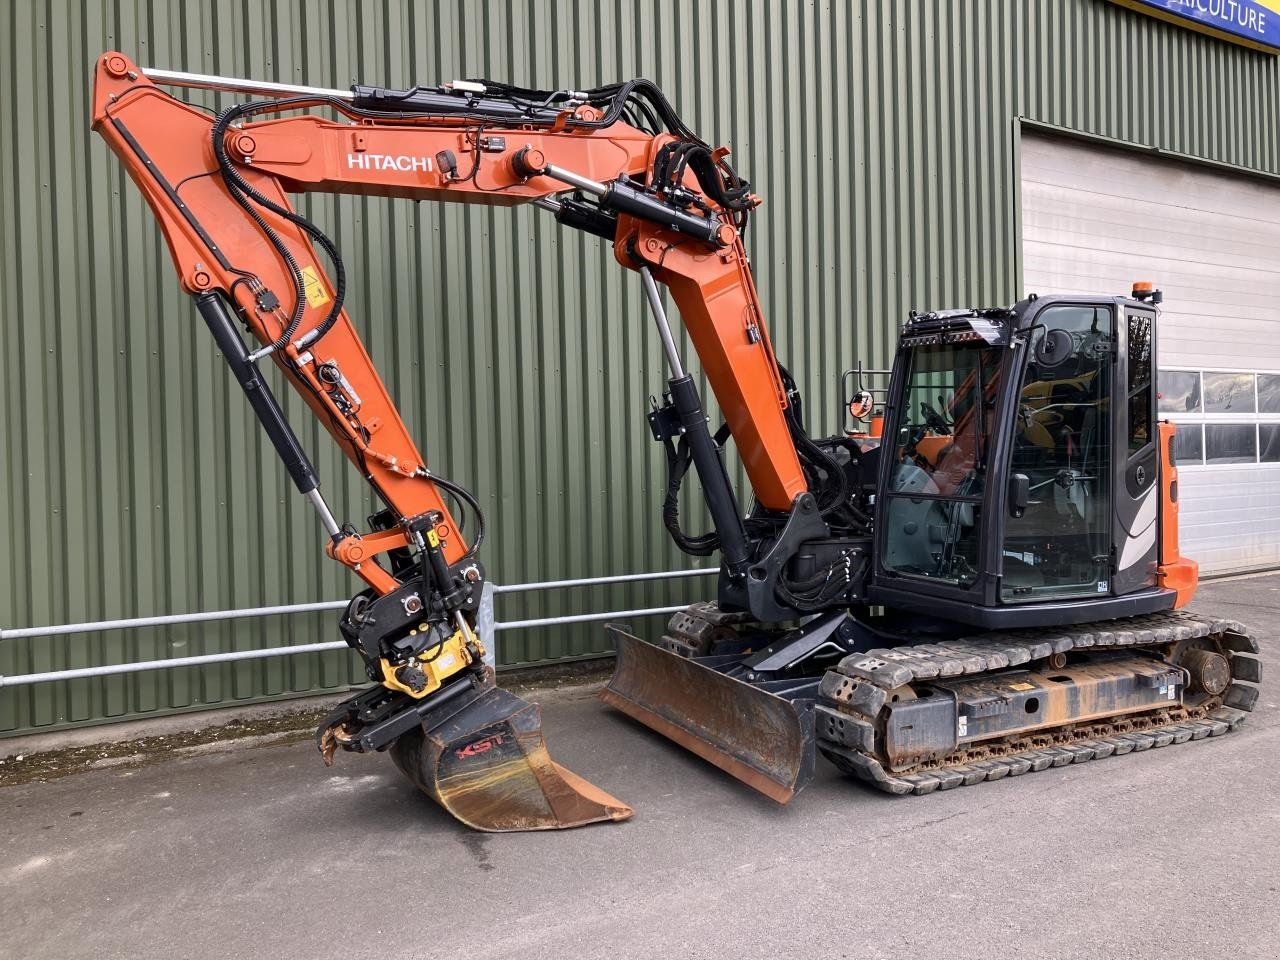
<point x="621" y="196"/>
<point x="660" y="321"/>
<point x="206" y="81"/>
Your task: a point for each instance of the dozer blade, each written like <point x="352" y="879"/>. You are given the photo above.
<point x="764" y="740"/>
<point x="487" y="764"/>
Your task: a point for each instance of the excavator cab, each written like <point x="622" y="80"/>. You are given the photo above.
<point x="1020" y="471"/>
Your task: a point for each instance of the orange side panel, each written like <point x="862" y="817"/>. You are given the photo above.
<point x="1176" y="572"/>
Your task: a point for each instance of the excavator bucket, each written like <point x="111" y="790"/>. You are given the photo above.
<point x="764" y="740"/>
<point x="487" y="764"/>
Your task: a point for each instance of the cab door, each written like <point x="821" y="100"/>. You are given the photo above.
<point x="1137" y="498"/>
<point x="1059" y="543"/>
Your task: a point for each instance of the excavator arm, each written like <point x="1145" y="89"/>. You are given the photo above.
<point x="616" y="162"/>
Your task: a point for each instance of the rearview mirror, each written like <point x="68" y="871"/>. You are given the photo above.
<point x="1054" y="348"/>
<point x="1019" y="494"/>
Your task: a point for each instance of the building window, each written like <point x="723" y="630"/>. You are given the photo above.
<point x="1224" y="417"/>
<point x="1269" y="393"/>
<point x="1188" y="444"/>
<point x="1228" y="393"/>
<point x="1230" y="443"/>
<point x="1269" y="442"/>
<point x="1180" y="391"/>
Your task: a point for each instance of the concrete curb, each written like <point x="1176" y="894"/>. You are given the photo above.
<point x="49" y="756"/>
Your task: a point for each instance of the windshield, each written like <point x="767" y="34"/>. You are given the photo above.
<point x="944" y="426"/>
<point x="942" y="444"/>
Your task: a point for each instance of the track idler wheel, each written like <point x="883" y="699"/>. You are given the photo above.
<point x="1210" y="671"/>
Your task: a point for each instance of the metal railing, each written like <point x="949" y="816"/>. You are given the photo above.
<point x="487" y="625"/>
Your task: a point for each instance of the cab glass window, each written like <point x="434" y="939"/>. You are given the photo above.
<point x="1140" y="419"/>
<point x="941" y="445"/>
<point x="1060" y="545"/>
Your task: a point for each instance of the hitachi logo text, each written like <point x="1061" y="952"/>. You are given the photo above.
<point x="385" y="161"/>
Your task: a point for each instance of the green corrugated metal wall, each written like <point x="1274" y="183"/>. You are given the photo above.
<point x="881" y="134"/>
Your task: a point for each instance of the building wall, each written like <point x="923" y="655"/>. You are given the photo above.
<point x="1095" y="218"/>
<point x="881" y="135"/>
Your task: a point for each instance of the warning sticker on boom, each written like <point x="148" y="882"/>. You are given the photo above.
<point x="317" y="295"/>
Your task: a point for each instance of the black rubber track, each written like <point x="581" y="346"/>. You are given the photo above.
<point x="854" y="693"/>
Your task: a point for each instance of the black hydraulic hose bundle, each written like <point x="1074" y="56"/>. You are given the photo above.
<point x="717" y="179"/>
<point x="506" y="104"/>
<point x="819" y="592"/>
<point x="833" y="491"/>
<point x="679" y="459"/>
<point x="642" y="99"/>
<point x="470" y="500"/>
<point x="242" y="191"/>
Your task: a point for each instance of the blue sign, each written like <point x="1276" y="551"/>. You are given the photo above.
<point x="1255" y="23"/>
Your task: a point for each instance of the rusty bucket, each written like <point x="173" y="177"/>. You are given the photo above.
<point x="764" y="740"/>
<point x="487" y="764"/>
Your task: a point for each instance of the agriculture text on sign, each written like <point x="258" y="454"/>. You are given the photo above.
<point x="1255" y="23"/>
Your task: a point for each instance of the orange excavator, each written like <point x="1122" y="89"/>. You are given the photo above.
<point x="990" y="585"/>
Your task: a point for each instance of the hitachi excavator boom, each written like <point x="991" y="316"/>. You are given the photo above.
<point x="615" y="161"/>
<point x="218" y="187"/>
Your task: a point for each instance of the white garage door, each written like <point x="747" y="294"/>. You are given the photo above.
<point x="1093" y="221"/>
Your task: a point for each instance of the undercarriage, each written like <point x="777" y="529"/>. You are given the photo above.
<point x="941" y="712"/>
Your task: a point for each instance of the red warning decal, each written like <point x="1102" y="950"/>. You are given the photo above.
<point x="477" y="747"/>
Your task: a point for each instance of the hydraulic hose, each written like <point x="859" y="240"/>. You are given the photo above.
<point x="469" y="498"/>
<point x="243" y="191"/>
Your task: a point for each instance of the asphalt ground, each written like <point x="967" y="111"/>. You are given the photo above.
<point x="262" y="852"/>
